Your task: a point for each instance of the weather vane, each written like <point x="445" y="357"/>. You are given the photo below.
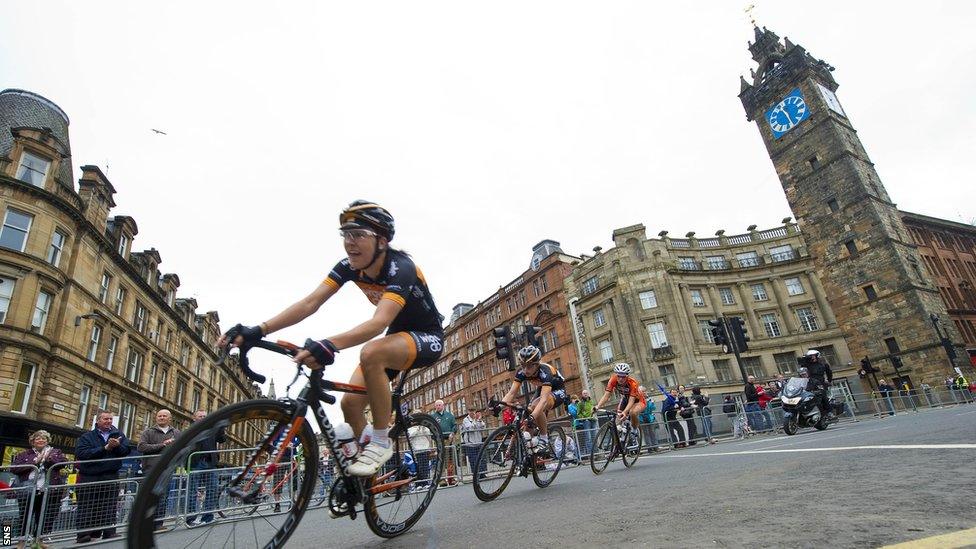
<point x="749" y="13"/>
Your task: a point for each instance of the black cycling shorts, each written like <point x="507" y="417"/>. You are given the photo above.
<point x="425" y="349"/>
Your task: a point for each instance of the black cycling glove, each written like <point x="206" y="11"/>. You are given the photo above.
<point x="249" y="333"/>
<point x="323" y="351"/>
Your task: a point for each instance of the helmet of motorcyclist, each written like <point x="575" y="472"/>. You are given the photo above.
<point x="813" y="354"/>
<point x="803" y="372"/>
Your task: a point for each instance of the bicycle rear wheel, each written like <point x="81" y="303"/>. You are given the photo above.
<point x="604" y="448"/>
<point x="632" y="446"/>
<point x="242" y="510"/>
<point x="405" y="486"/>
<point x="496" y="462"/>
<point x="547" y="467"/>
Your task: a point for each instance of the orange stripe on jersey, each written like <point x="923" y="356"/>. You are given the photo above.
<point x="394" y="298"/>
<point x="332" y="283"/>
<point x="420" y="275"/>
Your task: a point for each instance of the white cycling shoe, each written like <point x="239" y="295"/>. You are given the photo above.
<point x="369" y="461"/>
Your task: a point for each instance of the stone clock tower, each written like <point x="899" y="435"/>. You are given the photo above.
<point x="868" y="265"/>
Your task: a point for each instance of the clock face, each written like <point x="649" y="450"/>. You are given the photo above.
<point x="785" y="115"/>
<point x="831" y="99"/>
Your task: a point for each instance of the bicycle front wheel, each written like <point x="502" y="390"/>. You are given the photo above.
<point x="604" y="448"/>
<point x="404" y="487"/>
<point x="252" y="508"/>
<point x="547" y="465"/>
<point x="496" y="462"/>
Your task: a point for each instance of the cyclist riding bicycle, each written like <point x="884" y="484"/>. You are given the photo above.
<point x="632" y="399"/>
<point x="404" y="309"/>
<point x="550" y="387"/>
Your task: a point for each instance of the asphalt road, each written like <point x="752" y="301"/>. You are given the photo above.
<point x="863" y="484"/>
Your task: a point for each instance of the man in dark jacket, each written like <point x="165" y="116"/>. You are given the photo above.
<point x="152" y="443"/>
<point x="202" y="461"/>
<point x="821" y="376"/>
<point x="98" y="474"/>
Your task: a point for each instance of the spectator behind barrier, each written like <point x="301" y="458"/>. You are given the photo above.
<point x="39" y="464"/>
<point x="97" y="502"/>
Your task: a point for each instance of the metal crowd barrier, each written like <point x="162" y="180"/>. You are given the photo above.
<point x="17" y="503"/>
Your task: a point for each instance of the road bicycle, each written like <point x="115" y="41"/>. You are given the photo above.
<point x="392" y="501"/>
<point x="512" y="448"/>
<point x="614" y="438"/>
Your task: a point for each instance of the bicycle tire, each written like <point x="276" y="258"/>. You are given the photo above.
<point x="606" y="434"/>
<point x="141" y="532"/>
<point x="489" y="450"/>
<point x="539" y="477"/>
<point x="630" y="454"/>
<point x="401" y="431"/>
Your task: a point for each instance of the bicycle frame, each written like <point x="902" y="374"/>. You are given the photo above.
<point x="312" y="396"/>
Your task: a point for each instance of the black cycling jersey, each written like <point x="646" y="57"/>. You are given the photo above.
<point x="400" y="281"/>
<point x="545" y="375"/>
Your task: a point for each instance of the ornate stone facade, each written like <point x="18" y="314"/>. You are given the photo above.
<point x="86" y="322"/>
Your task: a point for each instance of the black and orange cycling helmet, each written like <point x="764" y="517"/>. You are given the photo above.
<point x="363" y="214"/>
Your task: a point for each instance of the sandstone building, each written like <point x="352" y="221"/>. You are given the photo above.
<point x="86" y="321"/>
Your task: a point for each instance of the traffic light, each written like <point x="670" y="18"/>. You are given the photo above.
<point x="530" y="335"/>
<point x="503" y="345"/>
<point x="737" y="327"/>
<point x="866" y="367"/>
<point x="719" y="335"/>
<point x="949" y="348"/>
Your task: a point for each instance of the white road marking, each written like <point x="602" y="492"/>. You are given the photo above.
<point x="966" y="413"/>
<point x="831" y="449"/>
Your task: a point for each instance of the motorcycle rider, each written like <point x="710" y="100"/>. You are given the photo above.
<point x="821" y="376"/>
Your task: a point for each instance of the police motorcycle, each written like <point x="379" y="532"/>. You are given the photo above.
<point x="800" y="406"/>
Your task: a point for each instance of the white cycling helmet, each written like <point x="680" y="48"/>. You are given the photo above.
<point x="529" y="353"/>
<point x="622" y="368"/>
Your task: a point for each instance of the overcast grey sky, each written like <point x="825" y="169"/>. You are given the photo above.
<point x="484" y="127"/>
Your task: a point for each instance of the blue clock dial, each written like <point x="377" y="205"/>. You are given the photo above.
<point x="785" y="115"/>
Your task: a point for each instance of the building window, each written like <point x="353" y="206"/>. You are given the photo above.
<point x="648" y="299"/>
<point x="782" y="253"/>
<point x="688" y="264"/>
<point x="870" y="293"/>
<point x="598" y="319"/>
<point x="706" y="330"/>
<point x="794" y="286"/>
<point x="57" y="244"/>
<point x="6" y="292"/>
<point x="759" y="292"/>
<point x="727" y="297"/>
<point x="126" y="412"/>
<point x="814" y="162"/>
<point x="832" y="204"/>
<point x="113" y="347"/>
<point x="606" y="351"/>
<point x="41" y="309"/>
<point x="83" y="399"/>
<point x="139" y="318"/>
<point x="196" y="399"/>
<point x="153" y="372"/>
<point x="103" y="288"/>
<point x="133" y="366"/>
<point x="102" y="402"/>
<point x="659" y="338"/>
<point x="33" y="169"/>
<point x="747" y="259"/>
<point x="808" y="320"/>
<point x="198" y="366"/>
<point x="96" y="335"/>
<point x="770" y="325"/>
<point x="163" y="378"/>
<point x="119" y="300"/>
<point x="668" y="375"/>
<point x="723" y="369"/>
<point x="589" y="285"/>
<point x="785" y="362"/>
<point x="16" y="225"/>
<point x="717" y="262"/>
<point x="22" y="391"/>
<point x="753" y="366"/>
<point x="553" y="338"/>
<point x="123" y="245"/>
<point x="696" y="298"/>
<point x="851" y="248"/>
<point x="180" y="390"/>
